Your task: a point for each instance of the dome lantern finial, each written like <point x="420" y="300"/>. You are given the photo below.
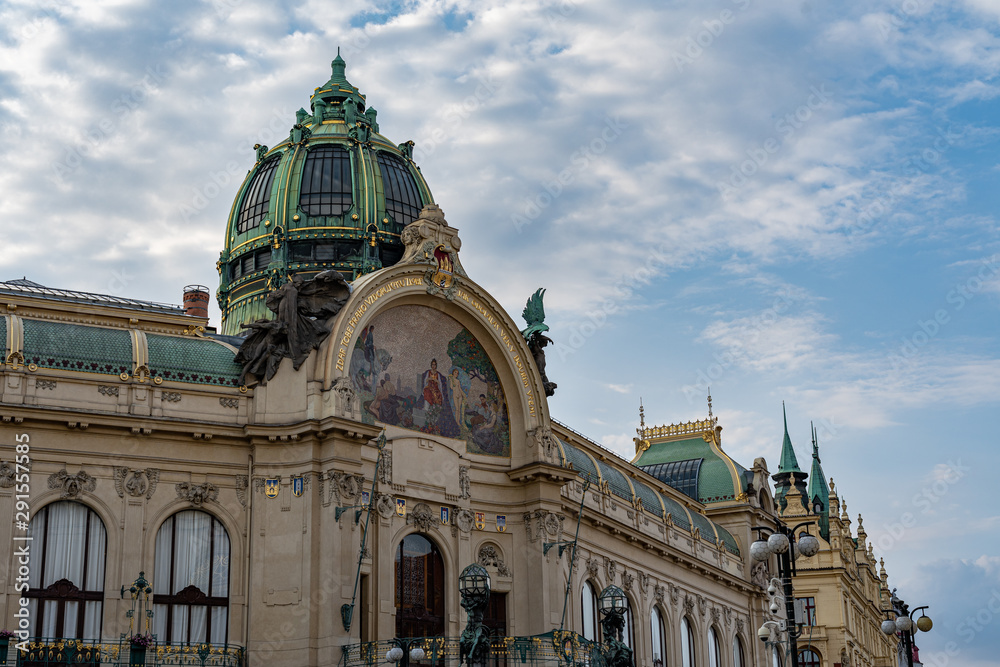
<point x="339" y="67"/>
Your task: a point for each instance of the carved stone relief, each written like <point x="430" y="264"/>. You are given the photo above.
<point x="197" y="494"/>
<point x="136" y="483"/>
<point x="464" y="483"/>
<point x="464" y="520"/>
<point x="347" y="486"/>
<point x="72" y="485"/>
<point x="385" y="505"/>
<point x="6" y="475"/>
<point x="489" y="556"/>
<point x="611" y="569"/>
<point x="659" y="593"/>
<point x="422" y="517"/>
<point x="627" y="581"/>
<point x="242" y="483"/>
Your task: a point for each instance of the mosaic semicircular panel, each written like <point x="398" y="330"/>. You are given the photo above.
<point x="417" y="368"/>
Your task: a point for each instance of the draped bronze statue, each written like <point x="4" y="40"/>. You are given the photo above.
<point x="302" y="311"/>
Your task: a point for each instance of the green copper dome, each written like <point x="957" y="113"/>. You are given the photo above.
<point x="334" y="195"/>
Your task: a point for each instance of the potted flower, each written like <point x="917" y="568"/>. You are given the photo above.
<point x="5" y="636"/>
<point x="138" y="645"/>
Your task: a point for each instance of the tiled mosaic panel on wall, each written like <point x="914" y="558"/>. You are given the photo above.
<point x="418" y="368"/>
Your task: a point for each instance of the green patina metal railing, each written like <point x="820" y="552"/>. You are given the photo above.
<point x="562" y="648"/>
<point x="55" y="652"/>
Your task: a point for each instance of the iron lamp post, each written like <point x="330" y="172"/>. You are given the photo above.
<point x="783" y="544"/>
<point x="612" y="605"/>
<point x="905" y="625"/>
<point x="474" y="586"/>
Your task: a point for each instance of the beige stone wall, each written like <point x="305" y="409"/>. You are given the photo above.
<point x="294" y="564"/>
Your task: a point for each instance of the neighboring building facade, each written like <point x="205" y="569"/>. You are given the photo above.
<point x="238" y="500"/>
<point x="844" y="593"/>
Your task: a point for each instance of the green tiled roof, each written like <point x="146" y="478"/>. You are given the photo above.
<point x="190" y="359"/>
<point x="618" y="484"/>
<point x="616" y="481"/>
<point x="715" y="478"/>
<point x="727" y="539"/>
<point x="77" y="347"/>
<point x="677" y="512"/>
<point x="650" y="498"/>
<point x="702" y="523"/>
<point x="580" y="462"/>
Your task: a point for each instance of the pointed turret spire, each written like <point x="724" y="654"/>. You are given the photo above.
<point x="788" y="462"/>
<point x="710" y="404"/>
<point x="819" y="492"/>
<point x="789" y="475"/>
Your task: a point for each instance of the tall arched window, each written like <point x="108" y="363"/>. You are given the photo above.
<point x="191" y="579"/>
<point x="326" y="181"/>
<point x="738" y="652"/>
<point x="66" y="583"/>
<point x="628" y="632"/>
<point x="687" y="643"/>
<point x="656" y="634"/>
<point x="402" y="200"/>
<point x="257" y="197"/>
<point x="588" y="606"/>
<point x="714" y="655"/>
<point x="419" y="588"/>
<point x="809" y="658"/>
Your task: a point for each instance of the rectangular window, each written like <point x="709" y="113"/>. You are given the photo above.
<point x="808" y="607"/>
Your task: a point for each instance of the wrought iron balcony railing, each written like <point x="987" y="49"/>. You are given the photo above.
<point x="563" y="648"/>
<point x="58" y="652"/>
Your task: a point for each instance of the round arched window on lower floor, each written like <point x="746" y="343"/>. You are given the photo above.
<point x="191" y="579"/>
<point x="809" y="658"/>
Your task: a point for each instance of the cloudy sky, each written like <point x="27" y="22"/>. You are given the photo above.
<point x="788" y="201"/>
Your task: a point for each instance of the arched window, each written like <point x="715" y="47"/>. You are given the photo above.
<point x="419" y="588"/>
<point x="402" y="200"/>
<point x="326" y="181"/>
<point x="588" y="606"/>
<point x="191" y="579"/>
<point x="257" y="197"/>
<point x="628" y="632"/>
<point x="714" y="655"/>
<point x="66" y="580"/>
<point x="656" y="634"/>
<point x="687" y="643"/>
<point x="738" y="652"/>
<point x="809" y="658"/>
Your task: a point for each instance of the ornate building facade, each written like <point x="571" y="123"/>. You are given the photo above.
<point x="332" y="498"/>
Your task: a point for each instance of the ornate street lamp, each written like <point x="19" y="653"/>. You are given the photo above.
<point x="905" y="625"/>
<point x="474" y="585"/>
<point x="612" y="604"/>
<point x="783" y="544"/>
